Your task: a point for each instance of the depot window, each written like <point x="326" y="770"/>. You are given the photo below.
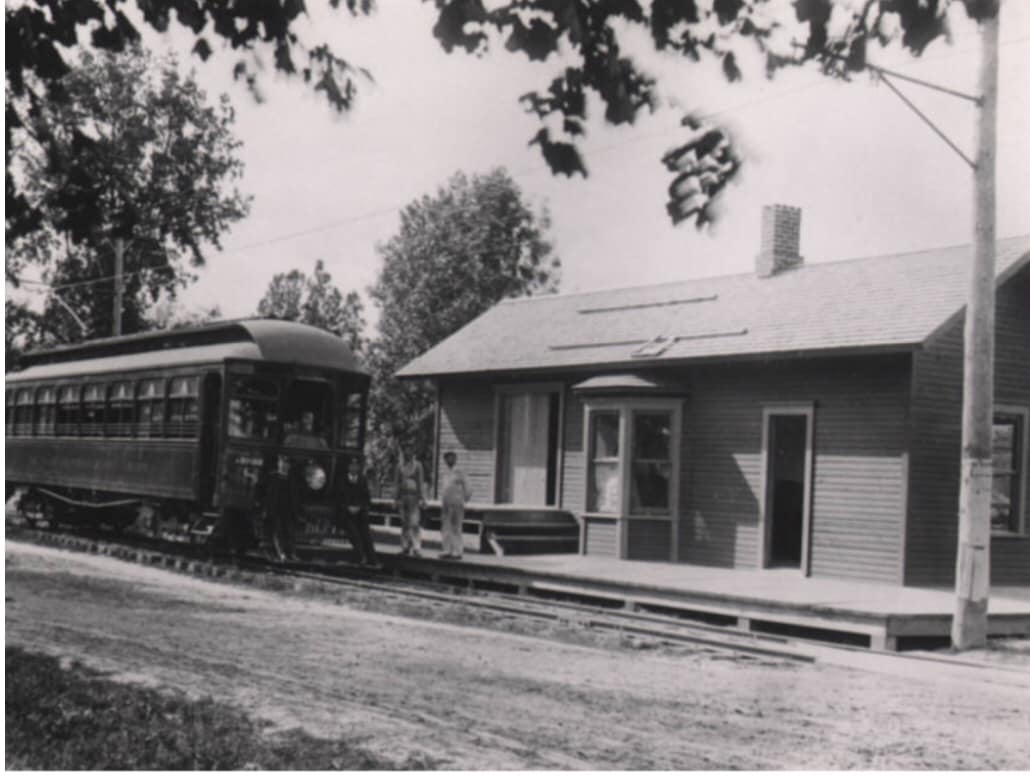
<point x="1008" y="447"/>
<point x="631" y="448"/>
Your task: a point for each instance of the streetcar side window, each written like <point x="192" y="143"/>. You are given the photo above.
<point x="183" y="407"/>
<point x="92" y="423"/>
<point x="23" y="413"/>
<point x="150" y="408"/>
<point x="68" y="410"/>
<point x="9" y="418"/>
<point x="253" y="408"/>
<point x="349" y="434"/>
<point x="119" y="410"/>
<point x="46" y="411"/>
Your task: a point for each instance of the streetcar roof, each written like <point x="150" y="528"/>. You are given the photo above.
<point x="283" y="342"/>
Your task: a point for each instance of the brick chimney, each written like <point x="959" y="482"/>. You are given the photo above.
<point x="781" y="240"/>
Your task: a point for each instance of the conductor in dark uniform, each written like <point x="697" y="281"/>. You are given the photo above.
<point x="352" y="505"/>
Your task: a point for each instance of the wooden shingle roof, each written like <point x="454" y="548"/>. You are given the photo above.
<point x="883" y="302"/>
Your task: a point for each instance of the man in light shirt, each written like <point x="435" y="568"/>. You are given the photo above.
<point x="453" y="496"/>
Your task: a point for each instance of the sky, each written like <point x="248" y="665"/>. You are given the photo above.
<point x="870" y="177"/>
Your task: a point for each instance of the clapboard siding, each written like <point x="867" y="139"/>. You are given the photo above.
<point x="574" y="487"/>
<point x="860" y="407"/>
<point x="860" y="444"/>
<point x="601" y="537"/>
<point x="467" y="427"/>
<point x="648" y="539"/>
<point x="937" y="440"/>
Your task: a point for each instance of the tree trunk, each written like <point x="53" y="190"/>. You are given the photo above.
<point x="972" y="575"/>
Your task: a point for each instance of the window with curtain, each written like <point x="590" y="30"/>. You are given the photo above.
<point x="46" y="411"/>
<point x="527" y="447"/>
<point x="119" y="409"/>
<point x="92" y="423"/>
<point x="604" y="494"/>
<point x="1007" y="450"/>
<point x="68" y="410"/>
<point x="183" y="407"/>
<point x="150" y="408"/>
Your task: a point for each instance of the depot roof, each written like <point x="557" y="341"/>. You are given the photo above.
<point x="878" y="303"/>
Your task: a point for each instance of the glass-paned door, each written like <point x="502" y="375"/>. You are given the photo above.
<point x="651" y="466"/>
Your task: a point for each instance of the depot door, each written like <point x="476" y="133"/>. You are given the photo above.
<point x="788" y="486"/>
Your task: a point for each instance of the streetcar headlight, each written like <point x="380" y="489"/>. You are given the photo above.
<point x="314" y="476"/>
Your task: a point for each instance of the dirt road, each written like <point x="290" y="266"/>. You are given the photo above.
<point x="479" y="699"/>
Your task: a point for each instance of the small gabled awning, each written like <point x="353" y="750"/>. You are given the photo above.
<point x="630" y="384"/>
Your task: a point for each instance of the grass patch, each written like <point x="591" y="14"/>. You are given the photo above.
<point x="76" y="719"/>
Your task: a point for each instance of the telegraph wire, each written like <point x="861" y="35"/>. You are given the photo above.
<point x="532" y="170"/>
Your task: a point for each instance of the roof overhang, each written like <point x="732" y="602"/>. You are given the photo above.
<point x="629" y="384"/>
<point x="535" y="371"/>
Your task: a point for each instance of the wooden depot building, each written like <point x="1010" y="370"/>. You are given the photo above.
<point x="801" y="415"/>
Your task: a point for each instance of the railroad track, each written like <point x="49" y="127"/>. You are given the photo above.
<point x="330" y="576"/>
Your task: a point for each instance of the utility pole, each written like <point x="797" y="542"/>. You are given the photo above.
<point x="972" y="572"/>
<point x="119" y="290"/>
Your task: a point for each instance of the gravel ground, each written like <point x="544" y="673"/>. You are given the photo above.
<point x="470" y="698"/>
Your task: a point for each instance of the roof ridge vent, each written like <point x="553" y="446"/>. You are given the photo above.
<point x="646" y="305"/>
<point x="654" y="347"/>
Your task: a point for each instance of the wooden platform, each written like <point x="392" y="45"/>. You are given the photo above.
<point x="489" y="528"/>
<point x="773" y="601"/>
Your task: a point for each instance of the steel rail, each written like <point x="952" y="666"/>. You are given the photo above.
<point x="540" y="609"/>
<point x="533" y="608"/>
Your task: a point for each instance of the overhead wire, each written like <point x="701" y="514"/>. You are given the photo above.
<point x="530" y="170"/>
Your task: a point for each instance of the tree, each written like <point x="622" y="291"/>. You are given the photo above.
<point x="167" y="314"/>
<point x="133" y="159"/>
<point x="589" y="36"/>
<point x="293" y="296"/>
<point x="456" y="255"/>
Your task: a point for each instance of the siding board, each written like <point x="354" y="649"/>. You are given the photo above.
<point x="937" y="441"/>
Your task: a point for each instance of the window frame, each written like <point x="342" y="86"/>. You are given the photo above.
<point x="44" y="419"/>
<point x="1022" y="470"/>
<point x="515" y="389"/>
<point x="89" y="403"/>
<point x="770" y="410"/>
<point x="182" y="429"/>
<point x="9" y="396"/>
<point x="68" y="428"/>
<point x="150" y="428"/>
<point x="125" y="427"/>
<point x="631" y="460"/>
<point x="24" y="427"/>
<point x="234" y="394"/>
<point x="627" y="407"/>
<point x="348" y="420"/>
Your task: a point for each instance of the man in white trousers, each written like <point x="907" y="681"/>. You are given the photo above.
<point x="453" y="497"/>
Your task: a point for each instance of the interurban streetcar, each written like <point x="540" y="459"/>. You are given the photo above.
<point x="181" y="431"/>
